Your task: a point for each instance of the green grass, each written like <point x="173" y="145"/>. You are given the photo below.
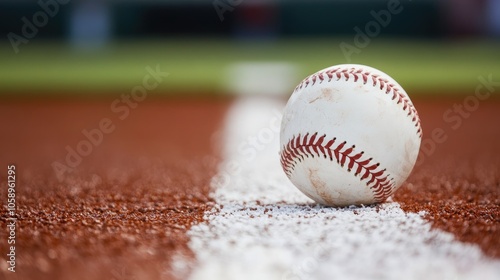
<point x="200" y="65"/>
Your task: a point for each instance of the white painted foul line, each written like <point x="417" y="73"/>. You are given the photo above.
<point x="263" y="228"/>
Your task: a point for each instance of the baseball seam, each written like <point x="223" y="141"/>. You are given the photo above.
<point x="298" y="148"/>
<point x="365" y="76"/>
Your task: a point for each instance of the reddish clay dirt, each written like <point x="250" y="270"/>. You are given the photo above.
<point x="123" y="212"/>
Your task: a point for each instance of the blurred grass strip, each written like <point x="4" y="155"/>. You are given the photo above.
<point x="200" y="65"/>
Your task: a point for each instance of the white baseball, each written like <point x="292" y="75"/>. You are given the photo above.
<point x="350" y="135"/>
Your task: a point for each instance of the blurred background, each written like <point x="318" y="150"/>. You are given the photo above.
<point x="96" y="47"/>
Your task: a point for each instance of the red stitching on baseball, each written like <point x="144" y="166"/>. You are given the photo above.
<point x="356" y="74"/>
<point x="298" y="148"/>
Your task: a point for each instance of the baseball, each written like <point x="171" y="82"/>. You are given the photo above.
<point x="350" y="135"/>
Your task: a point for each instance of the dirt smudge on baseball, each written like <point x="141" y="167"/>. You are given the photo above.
<point x="327" y="94"/>
<point x="320" y="186"/>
